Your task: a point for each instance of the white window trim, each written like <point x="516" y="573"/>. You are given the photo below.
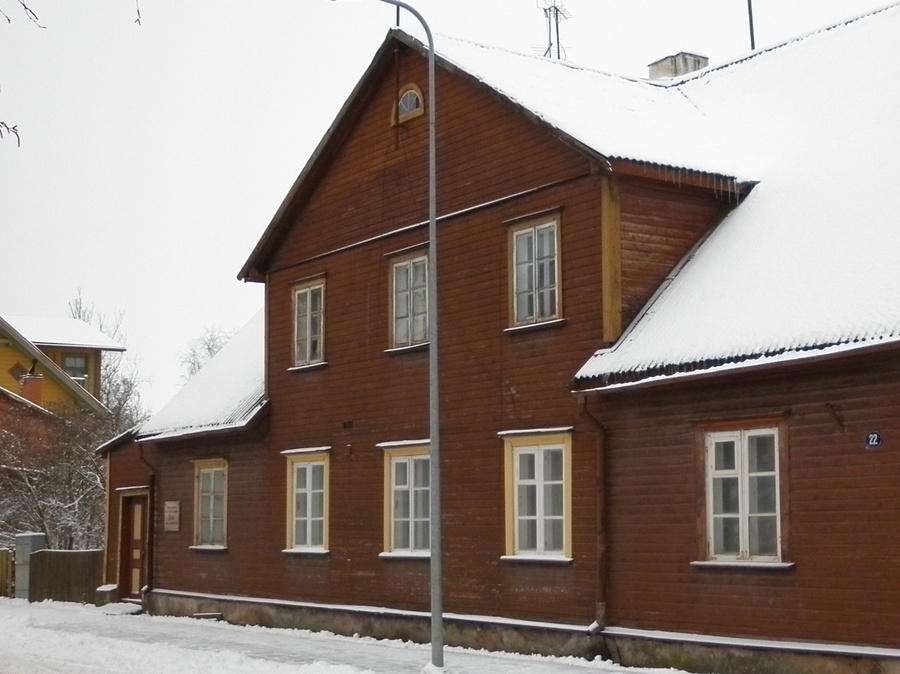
<point x="302" y="361"/>
<point x="408" y="262"/>
<point x="396" y="117"/>
<point x="306" y="456"/>
<point x="515" y="441"/>
<point x="537" y="319"/>
<point x="394" y="451"/>
<point x="741" y="471"/>
<point x="201" y="467"/>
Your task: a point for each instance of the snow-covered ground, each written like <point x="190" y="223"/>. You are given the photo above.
<point x="56" y="638"/>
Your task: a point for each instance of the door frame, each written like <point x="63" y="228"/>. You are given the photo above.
<point x="127" y="499"/>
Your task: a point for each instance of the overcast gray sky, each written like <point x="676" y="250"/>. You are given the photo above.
<point x="153" y="156"/>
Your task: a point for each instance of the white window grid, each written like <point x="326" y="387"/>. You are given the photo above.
<point x="410" y="302"/>
<point x="309" y="505"/>
<point x="743" y="499"/>
<point x="309" y="319"/>
<point x="535" y="274"/>
<point x="410" y="504"/>
<point x="539" y="481"/>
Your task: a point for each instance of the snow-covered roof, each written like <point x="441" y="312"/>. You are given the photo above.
<point x="616" y="117"/>
<point x="807" y="265"/>
<point x="227" y="392"/>
<point x="62" y="332"/>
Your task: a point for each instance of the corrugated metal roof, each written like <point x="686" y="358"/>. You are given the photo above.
<point x="808" y="264"/>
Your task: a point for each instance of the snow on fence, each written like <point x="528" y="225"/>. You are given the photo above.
<point x="65" y="575"/>
<point x="6" y="573"/>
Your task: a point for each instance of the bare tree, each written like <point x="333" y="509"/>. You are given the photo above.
<point x="202" y="348"/>
<point x="51" y="479"/>
<point x="120" y="376"/>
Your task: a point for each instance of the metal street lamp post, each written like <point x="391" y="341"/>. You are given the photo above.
<point x="437" y="599"/>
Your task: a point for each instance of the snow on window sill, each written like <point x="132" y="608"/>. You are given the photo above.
<point x="306" y="551"/>
<point x="536" y="326"/>
<point x="736" y="564"/>
<point x="421" y="346"/>
<point x="405" y="554"/>
<point x="548" y="559"/>
<point x="308" y="366"/>
<point x="209" y="548"/>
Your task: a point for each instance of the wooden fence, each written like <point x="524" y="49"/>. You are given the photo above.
<point x="6" y="573"/>
<point x="65" y="575"/>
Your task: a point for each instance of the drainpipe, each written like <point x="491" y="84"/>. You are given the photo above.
<point x="151" y="519"/>
<point x="602" y="501"/>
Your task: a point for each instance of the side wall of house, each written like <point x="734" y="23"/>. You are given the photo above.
<point x="841" y="520"/>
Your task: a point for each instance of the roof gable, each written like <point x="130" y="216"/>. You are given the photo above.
<point x="604" y="116"/>
<point x="78" y="393"/>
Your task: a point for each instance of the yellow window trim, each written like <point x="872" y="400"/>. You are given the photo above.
<point x="209" y="464"/>
<point x="292" y="461"/>
<point x="395" y="451"/>
<point x="520" y="440"/>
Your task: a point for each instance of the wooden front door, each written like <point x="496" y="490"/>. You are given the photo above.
<point x="132" y="560"/>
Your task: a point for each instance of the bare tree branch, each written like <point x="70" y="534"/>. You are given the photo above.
<point x="31" y="15"/>
<point x="10" y="131"/>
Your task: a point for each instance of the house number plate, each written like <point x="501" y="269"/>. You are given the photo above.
<point x="873" y="439"/>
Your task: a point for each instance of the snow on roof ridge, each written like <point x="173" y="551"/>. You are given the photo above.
<point x="572" y="65"/>
<point x="749" y="56"/>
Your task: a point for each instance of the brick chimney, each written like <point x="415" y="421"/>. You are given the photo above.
<point x="32" y="386"/>
<point x="677" y="65"/>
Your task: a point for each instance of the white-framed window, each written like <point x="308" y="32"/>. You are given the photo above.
<point x="307" y="510"/>
<point x="409" y="301"/>
<point x="743" y="501"/>
<point x="309" y="323"/>
<point x="535" y="272"/>
<point x="211" y="502"/>
<point x="407" y="498"/>
<point x="538" y="493"/>
<point x="410" y="104"/>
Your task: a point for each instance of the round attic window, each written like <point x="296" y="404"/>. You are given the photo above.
<point x="409" y="104"/>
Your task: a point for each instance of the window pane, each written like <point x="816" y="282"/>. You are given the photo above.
<point x="317" y="504"/>
<point x="761" y="453"/>
<point x="421" y="503"/>
<point x="726" y="496"/>
<point x="553" y="535"/>
<point x="301" y="506"/>
<point x="421" y="476"/>
<point x="527" y="500"/>
<point x="725" y="455"/>
<point x="526" y="466"/>
<point x="527" y="530"/>
<point x="726" y="536"/>
<point x="318" y="476"/>
<point x="315" y="300"/>
<point x="401" y="473"/>
<point x="762" y="494"/>
<point x="763" y="535"/>
<point x="553" y="465"/>
<point x="317" y="532"/>
<point x="401" y="504"/>
<point x="401" y="535"/>
<point x="300" y="532"/>
<point x="553" y="500"/>
<point x="546" y="241"/>
<point x="524" y="246"/>
<point x="421" y="535"/>
<point x="401" y="278"/>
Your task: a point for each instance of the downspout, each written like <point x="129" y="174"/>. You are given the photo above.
<point x="151" y="520"/>
<point x="602" y="501"/>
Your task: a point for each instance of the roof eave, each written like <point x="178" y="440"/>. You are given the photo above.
<point x="750" y="365"/>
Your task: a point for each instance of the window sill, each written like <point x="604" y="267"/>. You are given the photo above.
<point x="537" y="559"/>
<point x="306" y="551"/>
<point x="310" y="366"/>
<point x="552" y="323"/>
<point x="405" y="554"/>
<point x="421" y="346"/>
<point x="725" y="564"/>
<point x="209" y="548"/>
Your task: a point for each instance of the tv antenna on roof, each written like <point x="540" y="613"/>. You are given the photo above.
<point x="554" y="14"/>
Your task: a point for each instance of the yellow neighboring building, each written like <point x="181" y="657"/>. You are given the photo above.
<point x="53" y="361"/>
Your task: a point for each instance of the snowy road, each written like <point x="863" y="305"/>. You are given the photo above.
<point x="58" y="638"/>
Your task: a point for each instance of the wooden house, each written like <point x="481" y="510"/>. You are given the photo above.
<point x="53" y="362"/>
<point x="713" y="485"/>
